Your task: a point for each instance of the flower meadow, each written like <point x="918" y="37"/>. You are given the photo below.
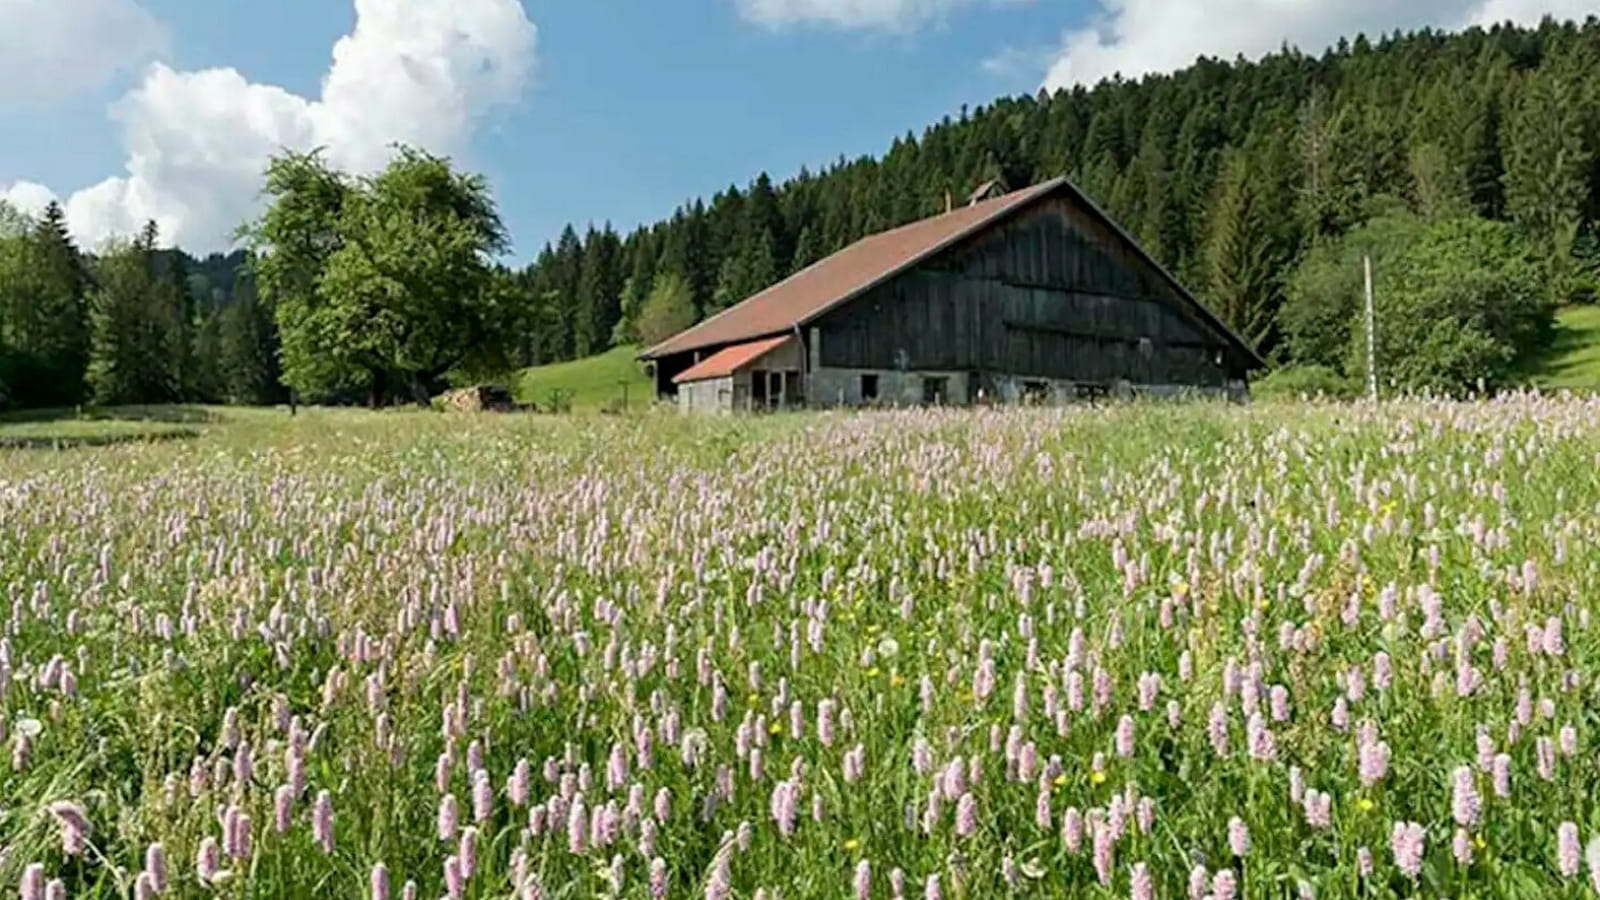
<point x="1132" y="652"/>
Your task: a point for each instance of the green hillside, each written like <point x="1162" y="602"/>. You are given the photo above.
<point x="1573" y="359"/>
<point x="591" y="383"/>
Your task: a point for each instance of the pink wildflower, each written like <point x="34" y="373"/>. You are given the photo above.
<point x="74" y="826"/>
<point x="1568" y="851"/>
<point x="1466" y="805"/>
<point x="1140" y="887"/>
<point x="1238" y="837"/>
<point x="1407" y="842"/>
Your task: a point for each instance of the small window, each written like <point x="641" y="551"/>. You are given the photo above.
<point x="935" y="391"/>
<point x="1091" y="392"/>
<point x="869" y="388"/>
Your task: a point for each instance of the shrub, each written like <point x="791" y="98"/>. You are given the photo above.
<point x="1306" y="382"/>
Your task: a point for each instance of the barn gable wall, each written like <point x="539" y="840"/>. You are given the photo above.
<point x="1052" y="293"/>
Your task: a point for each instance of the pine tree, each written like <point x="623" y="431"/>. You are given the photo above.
<point x="636" y="289"/>
<point x="1235" y="256"/>
<point x="128" y="360"/>
<point x="205" y="381"/>
<point x="247" y="353"/>
<point x="599" y="299"/>
<point x="1439" y="188"/>
<point x="564" y="280"/>
<point x="1545" y="168"/>
<point x="173" y="312"/>
<point x="806" y="249"/>
<point x="48" y="327"/>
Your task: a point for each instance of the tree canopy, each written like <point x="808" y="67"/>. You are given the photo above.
<point x="382" y="283"/>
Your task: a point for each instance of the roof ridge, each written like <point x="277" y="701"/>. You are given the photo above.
<point x="969" y="218"/>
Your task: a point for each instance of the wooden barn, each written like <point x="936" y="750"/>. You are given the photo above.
<point x="1030" y="296"/>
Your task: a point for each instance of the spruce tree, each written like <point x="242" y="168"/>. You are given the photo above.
<point x="1545" y="169"/>
<point x="564" y="280"/>
<point x="247" y="353"/>
<point x="54" y="338"/>
<point x="636" y="289"/>
<point x="128" y="361"/>
<point x="1235" y="256"/>
<point x="599" y="300"/>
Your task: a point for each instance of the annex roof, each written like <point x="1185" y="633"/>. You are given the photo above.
<point x="730" y="359"/>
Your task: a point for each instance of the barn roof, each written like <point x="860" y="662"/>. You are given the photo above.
<point x="729" y="359"/>
<point x="814" y="290"/>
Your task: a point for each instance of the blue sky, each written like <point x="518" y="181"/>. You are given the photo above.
<point x="637" y="106"/>
<point x="577" y="110"/>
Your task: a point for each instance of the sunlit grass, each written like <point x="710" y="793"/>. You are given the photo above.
<point x="953" y="645"/>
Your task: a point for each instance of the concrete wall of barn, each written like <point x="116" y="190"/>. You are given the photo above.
<point x="842" y="387"/>
<point x="831" y="387"/>
<point x="714" y="395"/>
<point x="1054" y="294"/>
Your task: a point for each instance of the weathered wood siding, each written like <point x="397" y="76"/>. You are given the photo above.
<point x="1051" y="294"/>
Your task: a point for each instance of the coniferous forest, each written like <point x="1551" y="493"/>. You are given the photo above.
<point x="1466" y="166"/>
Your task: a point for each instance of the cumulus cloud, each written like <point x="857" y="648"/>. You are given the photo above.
<point x="27" y="197"/>
<point x="891" y="15"/>
<point x="421" y="72"/>
<point x="1136" y="37"/>
<point x="1528" y="11"/>
<point x="53" y="49"/>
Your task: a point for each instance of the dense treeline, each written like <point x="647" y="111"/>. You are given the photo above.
<point x="131" y="324"/>
<point x="1233" y="174"/>
<point x="1467" y="166"/>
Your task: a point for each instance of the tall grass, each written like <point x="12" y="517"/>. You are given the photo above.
<point x="1047" y="653"/>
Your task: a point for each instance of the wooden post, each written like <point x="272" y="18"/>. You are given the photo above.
<point x="1372" y="341"/>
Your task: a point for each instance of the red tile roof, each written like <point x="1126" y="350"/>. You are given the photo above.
<point x="729" y="360"/>
<point x="843" y="275"/>
<point x="873" y="260"/>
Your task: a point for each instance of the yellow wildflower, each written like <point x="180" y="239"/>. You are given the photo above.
<point x="897" y="679"/>
<point x="1479" y="842"/>
<point x="874" y="672"/>
<point x="1061" y="780"/>
<point x="853" y="844"/>
<point x="1097" y="777"/>
<point x="1364" y="804"/>
<point x="775" y="728"/>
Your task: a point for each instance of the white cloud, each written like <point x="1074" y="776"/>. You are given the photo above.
<point x="892" y="15"/>
<point x="27" y="197"/>
<point x="412" y="71"/>
<point x="53" y="49"/>
<point x="1530" y="11"/>
<point x="1136" y="37"/>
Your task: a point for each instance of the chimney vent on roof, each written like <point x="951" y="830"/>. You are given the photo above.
<point x="990" y="189"/>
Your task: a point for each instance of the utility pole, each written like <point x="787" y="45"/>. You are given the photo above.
<point x="1372" y="341"/>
